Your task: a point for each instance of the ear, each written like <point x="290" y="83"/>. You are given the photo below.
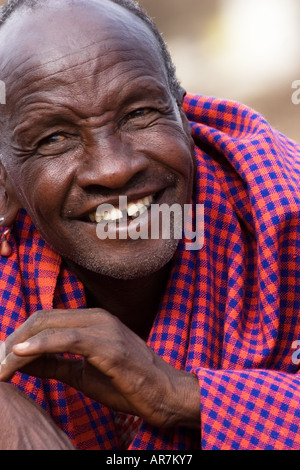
<point x="9" y="204"/>
<point x="186" y="125"/>
<point x="180" y="95"/>
<point x="187" y="128"/>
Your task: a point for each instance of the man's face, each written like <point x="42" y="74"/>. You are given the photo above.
<point x="89" y="118"/>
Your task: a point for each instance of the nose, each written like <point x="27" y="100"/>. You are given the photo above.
<point x="110" y="163"/>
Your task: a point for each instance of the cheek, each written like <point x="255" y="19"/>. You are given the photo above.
<point x="179" y="157"/>
<point x="38" y="188"/>
<point x="173" y="148"/>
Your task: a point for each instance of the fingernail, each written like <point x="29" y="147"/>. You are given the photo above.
<point x="22" y="346"/>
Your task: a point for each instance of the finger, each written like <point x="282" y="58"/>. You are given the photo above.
<point x="59" y="318"/>
<point x="79" y="375"/>
<point x="56" y="367"/>
<point x="47" y="367"/>
<point x="70" y="371"/>
<point x="11" y="364"/>
<point x="47" y="319"/>
<point x="56" y="341"/>
<point x="53" y="319"/>
<point x="99" y="350"/>
<point x="46" y="342"/>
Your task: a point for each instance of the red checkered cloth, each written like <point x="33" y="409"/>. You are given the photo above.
<point x="230" y="313"/>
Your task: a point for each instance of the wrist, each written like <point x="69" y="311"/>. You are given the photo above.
<point x="183" y="400"/>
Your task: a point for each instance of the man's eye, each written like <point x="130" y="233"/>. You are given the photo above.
<point x="56" y="144"/>
<point x="53" y="139"/>
<point x="137" y="113"/>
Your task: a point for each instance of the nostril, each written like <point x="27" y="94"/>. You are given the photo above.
<point x="107" y="178"/>
<point x="111" y="162"/>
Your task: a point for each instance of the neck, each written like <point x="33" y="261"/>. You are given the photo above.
<point x="134" y="302"/>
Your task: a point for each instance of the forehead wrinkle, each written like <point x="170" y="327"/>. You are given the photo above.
<point x="10" y="60"/>
<point x="61" y="82"/>
<point x="63" y="79"/>
<point x="36" y="67"/>
<point x="96" y="62"/>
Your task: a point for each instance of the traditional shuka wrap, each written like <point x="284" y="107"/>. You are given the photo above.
<point x="230" y="313"/>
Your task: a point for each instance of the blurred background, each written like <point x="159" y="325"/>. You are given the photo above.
<point x="246" y="50"/>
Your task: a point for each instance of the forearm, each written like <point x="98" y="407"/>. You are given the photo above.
<point x="24" y="425"/>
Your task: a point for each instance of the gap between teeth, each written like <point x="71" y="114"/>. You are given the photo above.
<point x="134" y="209"/>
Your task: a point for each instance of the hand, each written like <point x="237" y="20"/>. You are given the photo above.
<point x="116" y="368"/>
<point x="25" y="426"/>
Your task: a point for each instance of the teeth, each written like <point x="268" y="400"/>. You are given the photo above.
<point x="106" y="215"/>
<point x="134" y="209"/>
<point x="147" y="201"/>
<point x="142" y="210"/>
<point x="116" y="214"/>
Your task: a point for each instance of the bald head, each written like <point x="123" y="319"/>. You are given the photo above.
<point x="19" y="7"/>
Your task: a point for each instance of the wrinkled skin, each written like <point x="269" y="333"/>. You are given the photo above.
<point x="118" y="369"/>
<point x="90" y="117"/>
<point x="37" y="430"/>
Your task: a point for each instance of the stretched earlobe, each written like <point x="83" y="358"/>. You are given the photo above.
<point x="5" y="248"/>
<point x="9" y="205"/>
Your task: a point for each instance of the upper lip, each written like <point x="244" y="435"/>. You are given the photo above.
<point x="114" y="201"/>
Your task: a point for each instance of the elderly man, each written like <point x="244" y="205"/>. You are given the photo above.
<point x="123" y="342"/>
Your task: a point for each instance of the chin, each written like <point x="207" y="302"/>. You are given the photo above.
<point x="134" y="266"/>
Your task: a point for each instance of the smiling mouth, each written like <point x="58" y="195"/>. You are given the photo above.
<point x="114" y="213"/>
